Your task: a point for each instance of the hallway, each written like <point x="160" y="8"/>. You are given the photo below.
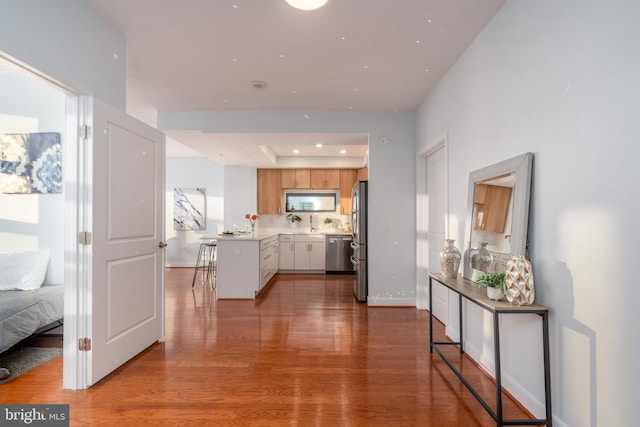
<point x="304" y="354"/>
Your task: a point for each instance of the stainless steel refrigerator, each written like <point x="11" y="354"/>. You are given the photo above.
<point x="359" y="244"/>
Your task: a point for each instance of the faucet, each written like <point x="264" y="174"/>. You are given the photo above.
<point x="311" y="223"/>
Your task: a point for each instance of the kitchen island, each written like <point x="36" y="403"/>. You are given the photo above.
<point x="245" y="264"/>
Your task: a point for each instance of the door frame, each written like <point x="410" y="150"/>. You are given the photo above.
<point x="422" y="220"/>
<point x="74" y="268"/>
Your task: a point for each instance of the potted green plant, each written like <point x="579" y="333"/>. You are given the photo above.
<point x="328" y="221"/>
<point x="294" y="219"/>
<point x="495" y="284"/>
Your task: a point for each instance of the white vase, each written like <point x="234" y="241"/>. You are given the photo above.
<point x="520" y="289"/>
<point x="495" y="293"/>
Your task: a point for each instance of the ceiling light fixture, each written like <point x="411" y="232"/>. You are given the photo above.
<point x="318" y="145"/>
<point x="258" y="84"/>
<point x="307" y="4"/>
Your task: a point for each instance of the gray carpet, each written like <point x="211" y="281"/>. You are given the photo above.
<point x="19" y="360"/>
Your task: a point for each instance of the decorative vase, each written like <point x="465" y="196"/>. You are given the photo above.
<point x="253" y="227"/>
<point x="481" y="259"/>
<point x="450" y="259"/>
<point x="520" y="290"/>
<point x="495" y="293"/>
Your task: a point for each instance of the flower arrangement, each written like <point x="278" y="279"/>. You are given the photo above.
<point x="252" y="220"/>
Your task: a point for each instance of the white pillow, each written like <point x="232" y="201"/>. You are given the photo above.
<point x="23" y="271"/>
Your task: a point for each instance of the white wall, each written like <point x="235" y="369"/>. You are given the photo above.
<point x="32" y="221"/>
<point x="67" y="40"/>
<point x="392" y="278"/>
<point x="192" y="173"/>
<point x="559" y="79"/>
<point x="240" y="195"/>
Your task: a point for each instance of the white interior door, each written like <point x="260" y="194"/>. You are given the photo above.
<point x="125" y="289"/>
<point x="436" y="176"/>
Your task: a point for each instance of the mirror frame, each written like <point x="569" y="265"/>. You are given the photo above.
<point x="520" y="166"/>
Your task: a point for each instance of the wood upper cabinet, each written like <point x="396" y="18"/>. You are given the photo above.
<point x="348" y="178"/>
<point x="363" y="174"/>
<point x="269" y="191"/>
<point x="492" y="206"/>
<point x="325" y="178"/>
<point x="296" y="178"/>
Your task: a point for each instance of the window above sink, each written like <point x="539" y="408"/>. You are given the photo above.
<point x="311" y="201"/>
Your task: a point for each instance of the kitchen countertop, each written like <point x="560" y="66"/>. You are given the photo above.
<point x="266" y="233"/>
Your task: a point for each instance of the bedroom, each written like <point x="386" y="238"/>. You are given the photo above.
<point x="31" y="222"/>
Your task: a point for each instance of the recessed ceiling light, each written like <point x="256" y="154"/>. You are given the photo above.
<point x="318" y="145"/>
<point x="258" y="84"/>
<point x="306" y="4"/>
<point x="343" y="151"/>
<point x="296" y="151"/>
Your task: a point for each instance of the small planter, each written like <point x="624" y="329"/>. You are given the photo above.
<point x="494" y="282"/>
<point x="495" y="294"/>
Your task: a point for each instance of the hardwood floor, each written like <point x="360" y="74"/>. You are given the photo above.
<point x="304" y="354"/>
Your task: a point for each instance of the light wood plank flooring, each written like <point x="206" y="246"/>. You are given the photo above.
<point x="304" y="354"/>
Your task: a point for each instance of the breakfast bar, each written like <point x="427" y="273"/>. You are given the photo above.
<point x="246" y="262"/>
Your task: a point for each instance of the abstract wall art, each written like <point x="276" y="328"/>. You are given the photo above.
<point x="30" y="163"/>
<point x="189" y="209"/>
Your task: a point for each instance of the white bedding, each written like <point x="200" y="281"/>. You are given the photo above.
<point x="24" y="312"/>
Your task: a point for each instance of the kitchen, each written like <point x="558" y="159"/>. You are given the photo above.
<point x="247" y="258"/>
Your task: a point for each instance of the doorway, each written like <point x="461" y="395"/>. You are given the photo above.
<point x="432" y="223"/>
<point x="108" y="257"/>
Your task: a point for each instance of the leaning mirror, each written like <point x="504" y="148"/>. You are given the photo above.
<point x="497" y="215"/>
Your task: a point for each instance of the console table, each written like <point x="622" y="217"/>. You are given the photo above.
<point x="469" y="290"/>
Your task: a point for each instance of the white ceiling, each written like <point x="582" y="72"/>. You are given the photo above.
<point x="383" y="55"/>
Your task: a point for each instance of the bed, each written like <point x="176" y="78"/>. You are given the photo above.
<point x="26" y="304"/>
<point x="24" y="312"/>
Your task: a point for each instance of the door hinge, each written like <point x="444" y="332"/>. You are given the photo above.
<point x="84" y="237"/>
<point x="84" y="344"/>
<point x="85" y="132"/>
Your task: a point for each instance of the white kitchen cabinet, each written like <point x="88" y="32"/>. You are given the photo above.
<point x="310" y="252"/>
<point x="500" y="260"/>
<point x="287" y="252"/>
<point x="245" y="264"/>
<point x="268" y="259"/>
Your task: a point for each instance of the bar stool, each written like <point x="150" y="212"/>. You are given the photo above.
<point x="206" y="263"/>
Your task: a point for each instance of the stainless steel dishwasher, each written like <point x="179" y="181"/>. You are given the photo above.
<point x="339" y="254"/>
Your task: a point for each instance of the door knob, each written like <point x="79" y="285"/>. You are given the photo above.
<point x="162" y="245"/>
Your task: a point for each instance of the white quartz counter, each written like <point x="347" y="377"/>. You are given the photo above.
<point x="266" y="233"/>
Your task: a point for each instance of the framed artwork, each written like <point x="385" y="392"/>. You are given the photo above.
<point x="189" y="209"/>
<point x="30" y="163"/>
